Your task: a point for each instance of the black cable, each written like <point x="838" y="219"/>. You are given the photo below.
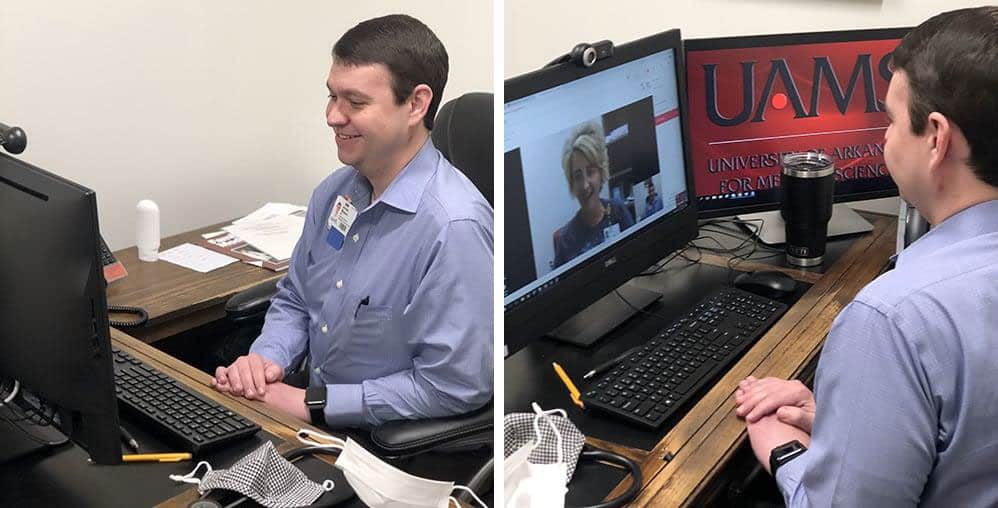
<point x="660" y="266"/>
<point x="631" y="305"/>
<point x="592" y="453"/>
<point x="17" y="424"/>
<point x="736" y="256"/>
<point x="33" y="415"/>
<point x="143" y="316"/>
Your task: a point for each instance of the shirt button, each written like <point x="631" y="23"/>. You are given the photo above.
<point x="324" y="328"/>
<point x="356" y="237"/>
<point x="339" y="284"/>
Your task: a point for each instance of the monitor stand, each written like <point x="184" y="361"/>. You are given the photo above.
<point x="844" y="221"/>
<point x="604" y="315"/>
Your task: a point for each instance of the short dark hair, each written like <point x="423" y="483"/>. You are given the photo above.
<point x="951" y="62"/>
<point x="409" y="49"/>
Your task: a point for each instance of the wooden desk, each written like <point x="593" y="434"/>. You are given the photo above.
<point x="178" y="299"/>
<point x="710" y="433"/>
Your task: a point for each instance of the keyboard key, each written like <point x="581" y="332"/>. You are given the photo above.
<point x="701" y="371"/>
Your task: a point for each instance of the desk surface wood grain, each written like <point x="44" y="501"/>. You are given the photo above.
<point x="178" y="299"/>
<point x="710" y="433"/>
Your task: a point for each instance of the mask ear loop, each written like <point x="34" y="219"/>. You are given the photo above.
<point x="189" y="477"/>
<point x="557" y="434"/>
<point x="308" y="437"/>
<point x="466" y="489"/>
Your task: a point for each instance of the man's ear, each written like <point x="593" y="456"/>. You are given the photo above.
<point x="939" y="133"/>
<point x="419" y="103"/>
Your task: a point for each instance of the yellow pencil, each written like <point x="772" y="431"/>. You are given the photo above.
<point x="572" y="390"/>
<point x="156" y="457"/>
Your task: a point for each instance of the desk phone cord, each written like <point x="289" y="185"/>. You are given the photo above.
<point x="143" y="316"/>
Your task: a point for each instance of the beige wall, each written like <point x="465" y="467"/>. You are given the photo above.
<point x="537" y="32"/>
<point x="209" y="108"/>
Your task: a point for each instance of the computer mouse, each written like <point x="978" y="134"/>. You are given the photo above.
<point x="768" y="283"/>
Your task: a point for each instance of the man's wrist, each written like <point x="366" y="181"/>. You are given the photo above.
<point x="785" y="453"/>
<point x="315" y="404"/>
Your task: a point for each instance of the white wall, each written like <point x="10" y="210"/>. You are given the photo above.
<point x="208" y="108"/>
<point x="537" y="32"/>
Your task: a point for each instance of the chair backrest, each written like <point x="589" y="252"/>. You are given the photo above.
<point x="462" y="131"/>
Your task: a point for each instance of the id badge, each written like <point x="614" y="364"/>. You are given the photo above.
<point x="340" y="219"/>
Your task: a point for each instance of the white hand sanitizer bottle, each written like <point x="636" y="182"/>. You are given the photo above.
<point x="147" y="230"/>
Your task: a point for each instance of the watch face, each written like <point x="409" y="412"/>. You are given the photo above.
<point x="315" y="396"/>
<point x="787" y="453"/>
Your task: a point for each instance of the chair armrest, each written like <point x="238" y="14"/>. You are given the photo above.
<point x="251" y="302"/>
<point x="402" y="438"/>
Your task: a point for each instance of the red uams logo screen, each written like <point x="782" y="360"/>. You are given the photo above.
<point x="750" y="105"/>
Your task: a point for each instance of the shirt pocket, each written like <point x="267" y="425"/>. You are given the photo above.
<point x="370" y="323"/>
<point x="368" y="345"/>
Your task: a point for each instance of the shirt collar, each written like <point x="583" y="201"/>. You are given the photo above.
<point x="976" y="220"/>
<point x="406" y="190"/>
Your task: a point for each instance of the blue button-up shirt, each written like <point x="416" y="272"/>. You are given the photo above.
<point x="398" y="321"/>
<point x="907" y="404"/>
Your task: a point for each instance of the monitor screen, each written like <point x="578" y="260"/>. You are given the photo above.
<point x="753" y="99"/>
<point x="594" y="159"/>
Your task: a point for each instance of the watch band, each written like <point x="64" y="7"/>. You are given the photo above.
<point x="315" y="401"/>
<point x="785" y="453"/>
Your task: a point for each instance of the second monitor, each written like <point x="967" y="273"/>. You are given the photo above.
<point x="753" y="99"/>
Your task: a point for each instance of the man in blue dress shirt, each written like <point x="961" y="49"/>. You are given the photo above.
<point x="389" y="291"/>
<point x="905" y="404"/>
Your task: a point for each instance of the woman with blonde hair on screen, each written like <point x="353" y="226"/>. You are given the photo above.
<point x="587" y="168"/>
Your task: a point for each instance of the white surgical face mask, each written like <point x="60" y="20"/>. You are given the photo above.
<point x="379" y="484"/>
<point x="528" y="485"/>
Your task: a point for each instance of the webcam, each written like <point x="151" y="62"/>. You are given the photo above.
<point x="586" y="54"/>
<point x="12" y="139"/>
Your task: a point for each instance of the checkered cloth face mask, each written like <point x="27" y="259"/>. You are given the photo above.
<point x="520" y="429"/>
<point x="264" y="476"/>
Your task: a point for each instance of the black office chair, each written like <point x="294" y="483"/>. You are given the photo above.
<point x="462" y="132"/>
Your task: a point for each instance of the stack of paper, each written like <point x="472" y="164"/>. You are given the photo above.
<point x="275" y="235"/>
<point x="266" y="237"/>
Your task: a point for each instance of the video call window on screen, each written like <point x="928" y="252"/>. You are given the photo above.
<point x="753" y="99"/>
<point x="587" y="167"/>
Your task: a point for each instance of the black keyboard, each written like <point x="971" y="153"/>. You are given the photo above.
<point x="185" y="418"/>
<point x="654" y="381"/>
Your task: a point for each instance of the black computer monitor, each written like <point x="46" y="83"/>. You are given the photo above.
<point x="753" y="99"/>
<point x="555" y="263"/>
<point x="54" y="336"/>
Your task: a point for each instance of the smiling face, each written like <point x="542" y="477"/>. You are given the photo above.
<point x="586" y="180"/>
<point x="371" y="129"/>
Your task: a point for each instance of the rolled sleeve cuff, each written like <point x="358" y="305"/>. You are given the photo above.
<point x="345" y="405"/>
<point x="788" y="476"/>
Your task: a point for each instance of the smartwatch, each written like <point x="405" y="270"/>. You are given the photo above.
<point x="785" y="453"/>
<point x="315" y="401"/>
